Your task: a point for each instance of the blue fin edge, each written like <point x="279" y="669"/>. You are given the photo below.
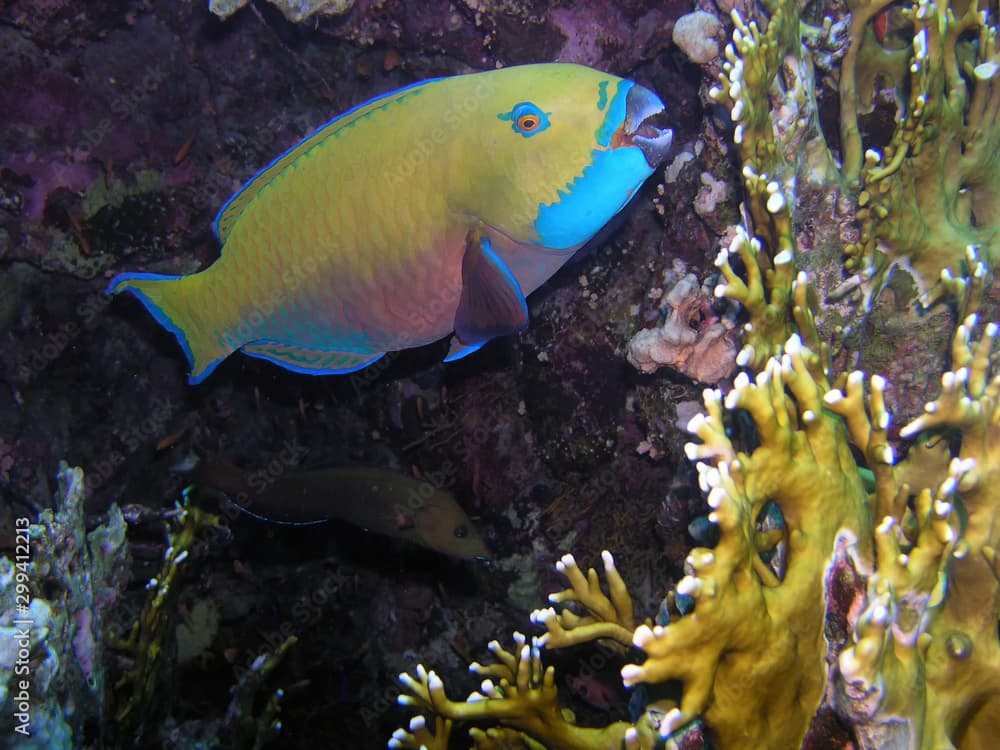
<point x="306" y="371"/>
<point x="316" y="131"/>
<point x="161" y="317"/>
<point x="486" y="247"/>
<point x="276" y="521"/>
<point x="464" y="351"/>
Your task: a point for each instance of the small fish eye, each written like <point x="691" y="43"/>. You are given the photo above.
<point x="527" y="119"/>
<point x="461" y="532"/>
<point x="527" y="122"/>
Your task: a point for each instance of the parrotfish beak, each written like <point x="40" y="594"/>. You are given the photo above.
<point x="640" y="105"/>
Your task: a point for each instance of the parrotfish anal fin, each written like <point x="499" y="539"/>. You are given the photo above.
<point x="309" y="361"/>
<point x="230" y="212"/>
<point x="492" y="303"/>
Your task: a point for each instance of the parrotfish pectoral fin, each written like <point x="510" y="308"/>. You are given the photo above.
<point x="172" y="301"/>
<point x="492" y="303"/>
<point x="309" y="361"/>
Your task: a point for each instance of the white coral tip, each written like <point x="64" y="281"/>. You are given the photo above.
<point x="880" y="615"/>
<point x="688" y="586"/>
<point x="670" y="722"/>
<point x="716" y="497"/>
<point x="643" y="636"/>
<point x="696" y="422"/>
<point x="632" y="674"/>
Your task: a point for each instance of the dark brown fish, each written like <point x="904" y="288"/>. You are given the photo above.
<point x="377" y="500"/>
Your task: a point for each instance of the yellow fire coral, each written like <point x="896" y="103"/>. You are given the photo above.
<point x="844" y="581"/>
<point x="934" y="189"/>
<point x="924" y="671"/>
<point x="756" y="658"/>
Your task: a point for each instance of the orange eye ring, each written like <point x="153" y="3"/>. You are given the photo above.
<point x="527" y="119"/>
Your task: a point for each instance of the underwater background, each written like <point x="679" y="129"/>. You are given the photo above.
<point x="769" y="602"/>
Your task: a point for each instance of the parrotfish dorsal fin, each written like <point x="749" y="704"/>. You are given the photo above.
<point x="492" y="303"/>
<point x="230" y="213"/>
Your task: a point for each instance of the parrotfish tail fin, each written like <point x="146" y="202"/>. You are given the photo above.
<point x="172" y="300"/>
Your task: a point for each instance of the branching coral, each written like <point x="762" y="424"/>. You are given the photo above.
<point x="518" y="691"/>
<point x="756" y="637"/>
<point x="146" y="644"/>
<point x="925" y="668"/>
<point x="758" y="656"/>
<point x="934" y="189"/>
<point x="51" y="659"/>
<point x="843" y="580"/>
<point x="148" y="652"/>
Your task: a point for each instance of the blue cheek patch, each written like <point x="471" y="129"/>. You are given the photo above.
<point x="527" y="119"/>
<point x="615" y="115"/>
<point x="592" y="198"/>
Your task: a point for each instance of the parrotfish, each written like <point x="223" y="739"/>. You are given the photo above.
<point x="377" y="500"/>
<point x="429" y="210"/>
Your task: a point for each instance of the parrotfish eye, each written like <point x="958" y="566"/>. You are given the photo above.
<point x="461" y="532"/>
<point x="528" y="122"/>
<point x="527" y="119"/>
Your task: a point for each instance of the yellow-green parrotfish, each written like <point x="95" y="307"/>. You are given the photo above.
<point x="431" y="209"/>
